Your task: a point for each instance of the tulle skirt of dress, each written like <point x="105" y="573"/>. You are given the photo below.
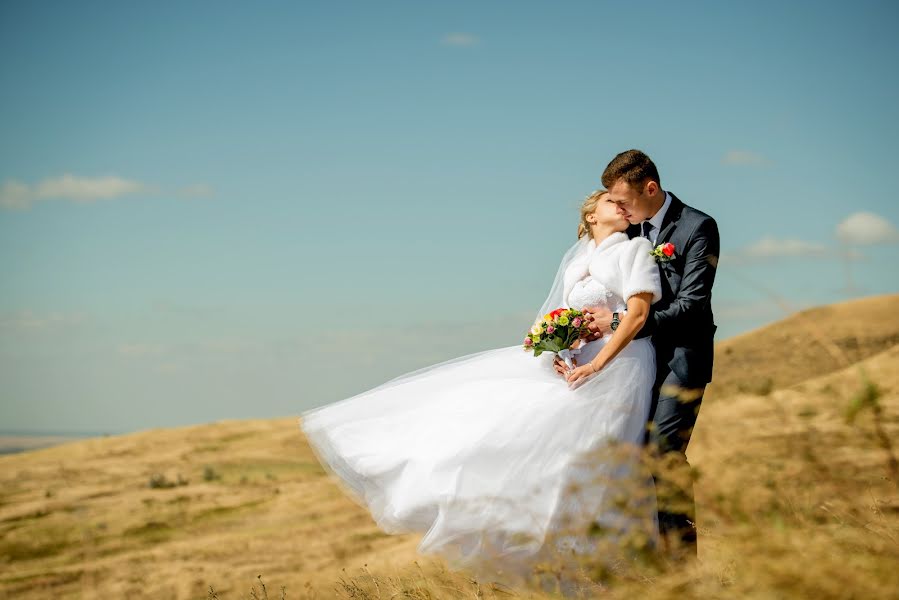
<point x="493" y="456"/>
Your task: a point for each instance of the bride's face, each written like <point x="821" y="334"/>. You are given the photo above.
<point x="606" y="213"/>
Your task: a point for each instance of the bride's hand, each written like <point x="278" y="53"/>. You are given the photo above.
<point x="576" y="376"/>
<point x="561" y="367"/>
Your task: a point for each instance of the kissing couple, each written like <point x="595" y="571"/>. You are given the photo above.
<point x="504" y="461"/>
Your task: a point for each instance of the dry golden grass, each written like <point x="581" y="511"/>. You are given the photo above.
<point x="797" y="495"/>
<point x="81" y="519"/>
<point x="13" y="443"/>
<point x="807" y="344"/>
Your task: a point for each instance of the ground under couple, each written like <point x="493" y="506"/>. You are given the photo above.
<point x="508" y="463"/>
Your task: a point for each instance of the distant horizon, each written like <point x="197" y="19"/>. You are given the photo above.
<point x="77" y="434"/>
<point x="63" y="434"/>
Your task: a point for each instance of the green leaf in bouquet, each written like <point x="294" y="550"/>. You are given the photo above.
<point x="554" y="344"/>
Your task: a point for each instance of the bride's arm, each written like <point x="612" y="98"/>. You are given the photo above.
<point x="637" y="313"/>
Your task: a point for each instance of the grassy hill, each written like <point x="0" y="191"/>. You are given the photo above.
<point x="797" y="493"/>
<point x="164" y="513"/>
<point x="807" y="344"/>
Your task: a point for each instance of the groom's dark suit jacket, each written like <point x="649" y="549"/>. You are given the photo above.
<point x="681" y="323"/>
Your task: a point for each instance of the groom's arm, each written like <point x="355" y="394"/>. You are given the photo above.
<point x="695" y="293"/>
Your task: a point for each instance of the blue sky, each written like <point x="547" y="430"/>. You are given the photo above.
<point x="188" y="190"/>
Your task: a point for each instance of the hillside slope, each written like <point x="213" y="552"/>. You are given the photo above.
<point x="805" y="345"/>
<point x="89" y="515"/>
<point x="167" y="513"/>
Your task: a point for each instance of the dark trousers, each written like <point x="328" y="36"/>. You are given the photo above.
<point x="672" y="417"/>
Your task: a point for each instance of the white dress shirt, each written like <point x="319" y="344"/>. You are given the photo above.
<point x="656" y="220"/>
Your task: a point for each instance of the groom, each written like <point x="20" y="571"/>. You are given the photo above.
<point x="681" y="326"/>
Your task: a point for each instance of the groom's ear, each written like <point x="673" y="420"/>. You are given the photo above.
<point x="651" y="188"/>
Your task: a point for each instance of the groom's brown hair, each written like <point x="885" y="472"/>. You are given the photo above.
<point x="633" y="166"/>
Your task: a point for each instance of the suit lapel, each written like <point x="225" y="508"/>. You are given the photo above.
<point x="669" y="223"/>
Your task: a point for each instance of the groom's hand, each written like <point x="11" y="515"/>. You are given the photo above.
<point x="599" y="321"/>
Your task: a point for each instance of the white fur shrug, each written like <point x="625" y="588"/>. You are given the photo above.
<point x="618" y="267"/>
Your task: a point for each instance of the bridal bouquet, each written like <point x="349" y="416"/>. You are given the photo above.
<point x="556" y="332"/>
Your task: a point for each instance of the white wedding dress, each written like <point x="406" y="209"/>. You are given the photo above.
<point x="489" y="455"/>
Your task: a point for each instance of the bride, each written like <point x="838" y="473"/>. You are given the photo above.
<point x="499" y="460"/>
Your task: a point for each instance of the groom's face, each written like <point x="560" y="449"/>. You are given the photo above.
<point x="633" y="202"/>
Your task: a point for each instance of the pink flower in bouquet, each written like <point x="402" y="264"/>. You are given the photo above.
<point x="555" y="332"/>
<point x="668" y="249"/>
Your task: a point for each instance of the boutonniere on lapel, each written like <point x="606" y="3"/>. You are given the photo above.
<point x="663" y="252"/>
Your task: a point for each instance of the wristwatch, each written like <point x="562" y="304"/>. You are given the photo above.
<point x="615" y="321"/>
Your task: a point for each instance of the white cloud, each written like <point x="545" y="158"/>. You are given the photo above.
<point x="15" y="195"/>
<point x="86" y="189"/>
<point x="28" y="320"/>
<point x="460" y="39"/>
<point x="861" y="228"/>
<point x="865" y="228"/>
<point x="745" y="158"/>
<point x="772" y="248"/>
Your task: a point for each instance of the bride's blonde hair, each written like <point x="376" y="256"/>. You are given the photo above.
<point x="587" y="208"/>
